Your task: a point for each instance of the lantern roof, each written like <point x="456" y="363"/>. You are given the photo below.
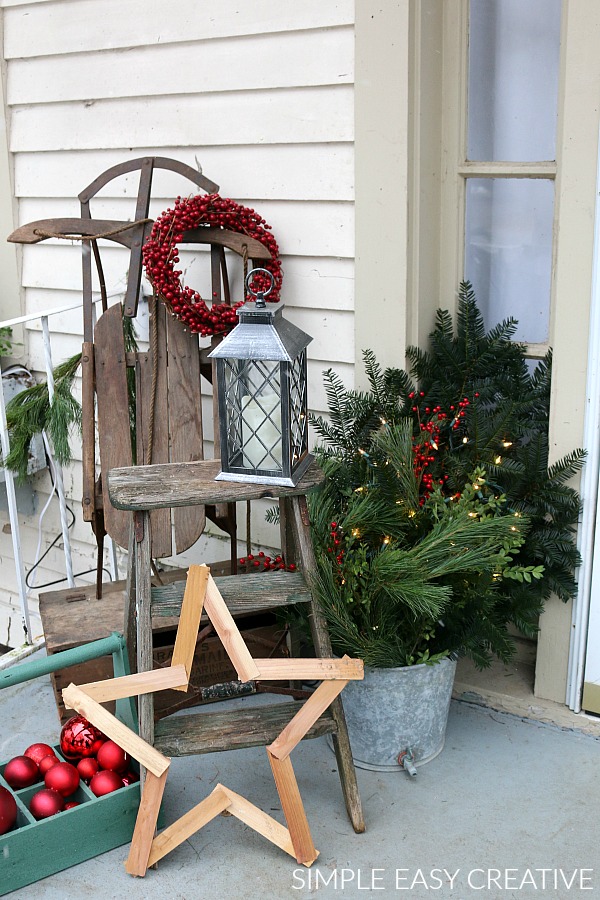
<point x="262" y="333"/>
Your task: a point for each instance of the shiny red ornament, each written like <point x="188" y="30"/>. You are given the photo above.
<point x="46" y="803"/>
<point x="8" y="810"/>
<point x="36" y="752"/>
<point x="20" y="772"/>
<point x="46" y="763"/>
<point x="111" y="756"/>
<point x="63" y="778"/>
<point x="71" y="804"/>
<point x="87" y="768"/>
<point x="105" y="782"/>
<point x="78" y="737"/>
<point x="129" y="778"/>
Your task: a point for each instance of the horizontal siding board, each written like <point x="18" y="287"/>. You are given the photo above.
<point x="319" y="284"/>
<point x="279" y="172"/>
<point x="111" y="24"/>
<point x="300" y="228"/>
<point x="308" y="283"/>
<point x="327" y="328"/>
<point x="296" y="59"/>
<point x="288" y="116"/>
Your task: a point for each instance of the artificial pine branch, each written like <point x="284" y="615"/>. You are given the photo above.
<point x="30" y="412"/>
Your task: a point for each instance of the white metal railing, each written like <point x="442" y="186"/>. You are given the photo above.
<point x="58" y="487"/>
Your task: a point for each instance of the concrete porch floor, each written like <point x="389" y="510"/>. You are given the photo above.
<point x="509" y="796"/>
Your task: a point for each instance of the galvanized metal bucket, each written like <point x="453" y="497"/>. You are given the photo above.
<point x="398" y="714"/>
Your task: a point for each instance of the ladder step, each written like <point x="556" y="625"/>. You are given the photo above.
<point x="210" y="732"/>
<point x="242" y="593"/>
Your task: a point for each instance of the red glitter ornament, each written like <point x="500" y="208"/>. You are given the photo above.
<point x="87" y="768"/>
<point x="36" y="752"/>
<point x="8" y="810"/>
<point x="46" y="763"/>
<point x="105" y="782"/>
<point x="78" y="737"/>
<point x="63" y="778"/>
<point x="46" y="803"/>
<point x="111" y="756"/>
<point x="20" y="772"/>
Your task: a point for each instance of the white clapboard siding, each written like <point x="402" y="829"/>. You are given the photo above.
<point x="309" y="283"/>
<point x="113" y="24"/>
<point x="258" y="62"/>
<point x="301" y="229"/>
<point x="259" y="97"/>
<point x="297" y="115"/>
<point x="322" y="171"/>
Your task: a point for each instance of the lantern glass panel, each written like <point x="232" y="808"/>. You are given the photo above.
<point x="253" y="401"/>
<point x="298" y="405"/>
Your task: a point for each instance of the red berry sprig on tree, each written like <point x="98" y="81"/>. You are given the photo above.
<point x="161" y="255"/>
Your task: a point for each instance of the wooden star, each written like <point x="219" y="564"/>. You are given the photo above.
<point x="201" y="593"/>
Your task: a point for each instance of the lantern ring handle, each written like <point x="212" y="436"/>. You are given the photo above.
<point x="251" y="274"/>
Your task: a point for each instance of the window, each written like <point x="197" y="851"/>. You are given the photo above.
<point x="509" y="160"/>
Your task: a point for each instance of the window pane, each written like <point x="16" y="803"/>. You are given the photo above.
<point x="508" y="255"/>
<point x="513" y="79"/>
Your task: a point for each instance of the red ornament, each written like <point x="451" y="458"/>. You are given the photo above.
<point x="71" y="804"/>
<point x="129" y="778"/>
<point x="111" y="756"/>
<point x="36" y="752"/>
<point x="105" y="782"/>
<point x="97" y="745"/>
<point x="161" y="255"/>
<point x="63" y="778"/>
<point x="46" y="763"/>
<point x="87" y="768"/>
<point x="20" y="772"/>
<point x="78" y="737"/>
<point x="46" y="803"/>
<point x="8" y="810"/>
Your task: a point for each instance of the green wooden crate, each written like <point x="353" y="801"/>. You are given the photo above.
<point x="33" y="850"/>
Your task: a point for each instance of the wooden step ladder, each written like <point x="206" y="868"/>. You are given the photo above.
<point x="143" y="489"/>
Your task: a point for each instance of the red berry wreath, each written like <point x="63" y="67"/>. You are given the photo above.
<point x="161" y="254"/>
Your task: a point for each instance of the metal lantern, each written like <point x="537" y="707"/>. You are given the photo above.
<point x="261" y="379"/>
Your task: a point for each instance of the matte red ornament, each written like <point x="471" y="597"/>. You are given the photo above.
<point x="20" y="772"/>
<point x="105" y="782"/>
<point x="36" y="752"/>
<point x="8" y="810"/>
<point x="46" y="763"/>
<point x="111" y="756"/>
<point x="63" y="778"/>
<point x="87" y="768"/>
<point x="46" y="803"/>
<point x="78" y="737"/>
